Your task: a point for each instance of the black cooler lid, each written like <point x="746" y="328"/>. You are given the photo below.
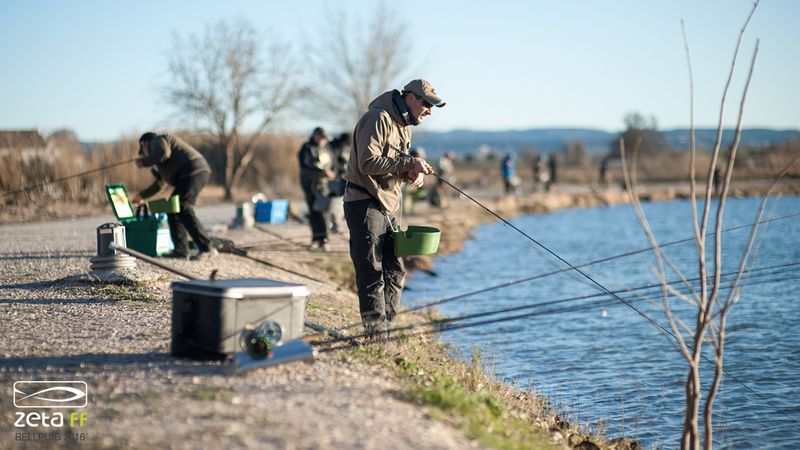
<point x="241" y="288"/>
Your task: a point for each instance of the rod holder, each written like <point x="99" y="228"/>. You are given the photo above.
<point x="107" y="258"/>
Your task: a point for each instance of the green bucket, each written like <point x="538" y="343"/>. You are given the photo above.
<point x="163" y="205"/>
<point x="416" y="241"/>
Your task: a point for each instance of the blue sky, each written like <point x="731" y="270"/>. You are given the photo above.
<point x="96" y="66"/>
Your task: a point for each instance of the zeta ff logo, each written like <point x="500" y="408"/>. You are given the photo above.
<point x="50" y="394"/>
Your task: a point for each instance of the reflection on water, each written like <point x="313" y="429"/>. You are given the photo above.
<point x="601" y="361"/>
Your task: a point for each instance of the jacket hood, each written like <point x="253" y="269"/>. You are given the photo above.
<point x="385" y="102"/>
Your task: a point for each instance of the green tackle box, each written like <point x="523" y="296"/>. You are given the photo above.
<point x="145" y="233"/>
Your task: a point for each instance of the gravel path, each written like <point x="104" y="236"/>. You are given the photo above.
<point x="56" y="324"/>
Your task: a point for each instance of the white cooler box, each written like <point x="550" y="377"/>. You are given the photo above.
<point x="209" y="316"/>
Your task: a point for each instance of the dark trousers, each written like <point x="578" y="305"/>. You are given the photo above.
<point x="188" y="188"/>
<point x="319" y="225"/>
<point x="379" y="273"/>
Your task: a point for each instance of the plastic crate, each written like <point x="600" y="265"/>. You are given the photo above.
<point x="273" y="211"/>
<point x="149" y="236"/>
<point x="170" y="205"/>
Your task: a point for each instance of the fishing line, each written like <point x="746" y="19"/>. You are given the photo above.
<point x="277" y="235"/>
<point x="36" y="186"/>
<point x="565" y="269"/>
<point x="759" y="279"/>
<point x="444" y="324"/>
<point x="592" y="280"/>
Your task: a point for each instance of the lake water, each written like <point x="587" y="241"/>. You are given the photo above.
<point x="602" y="363"/>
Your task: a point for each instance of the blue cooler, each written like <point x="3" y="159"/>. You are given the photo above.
<point x="273" y="211"/>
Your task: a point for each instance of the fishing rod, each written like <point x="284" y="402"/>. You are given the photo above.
<point x="445" y="324"/>
<point x="557" y="256"/>
<point x="278" y="236"/>
<point x="761" y="278"/>
<point x="451" y="324"/>
<point x="69" y="177"/>
<point x="585" y="275"/>
<point x="561" y="270"/>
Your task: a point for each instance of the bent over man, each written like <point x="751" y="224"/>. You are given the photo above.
<point x="379" y="164"/>
<point x="175" y="163"/>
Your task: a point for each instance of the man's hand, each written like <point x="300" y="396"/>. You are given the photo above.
<point x="416" y="179"/>
<point x="139" y="163"/>
<point x="137" y="201"/>
<point x="421" y="166"/>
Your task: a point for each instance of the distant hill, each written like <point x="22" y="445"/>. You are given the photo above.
<point x="548" y="140"/>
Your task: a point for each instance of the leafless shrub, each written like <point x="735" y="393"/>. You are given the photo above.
<point x="706" y="324"/>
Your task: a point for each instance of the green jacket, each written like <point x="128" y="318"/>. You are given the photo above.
<point x="378" y="161"/>
<point x="171" y="159"/>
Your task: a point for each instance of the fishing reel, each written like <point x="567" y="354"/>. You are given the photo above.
<point x="258" y="341"/>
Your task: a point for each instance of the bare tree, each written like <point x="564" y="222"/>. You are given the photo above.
<point x="226" y="81"/>
<point x="352" y="62"/>
<point x="711" y="308"/>
<point x="641" y="133"/>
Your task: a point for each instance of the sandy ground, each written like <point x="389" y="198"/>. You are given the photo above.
<point x="57" y="325"/>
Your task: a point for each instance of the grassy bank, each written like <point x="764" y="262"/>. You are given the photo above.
<point x="459" y="389"/>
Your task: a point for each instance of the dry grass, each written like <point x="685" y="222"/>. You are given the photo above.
<point x="274" y="170"/>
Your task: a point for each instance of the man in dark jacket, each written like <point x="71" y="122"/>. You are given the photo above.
<point x="379" y="164"/>
<point x="340" y="153"/>
<point x="316" y="168"/>
<point x="175" y="163"/>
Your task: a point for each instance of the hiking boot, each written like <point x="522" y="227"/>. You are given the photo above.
<point x="205" y="255"/>
<point x="389" y="328"/>
<point x="375" y="332"/>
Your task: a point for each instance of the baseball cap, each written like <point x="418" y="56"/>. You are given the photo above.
<point x="422" y="88"/>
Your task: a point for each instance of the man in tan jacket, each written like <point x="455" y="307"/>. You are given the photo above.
<point x="379" y="164"/>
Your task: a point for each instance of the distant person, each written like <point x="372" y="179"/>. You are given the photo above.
<point x="507" y="171"/>
<point x="316" y="168"/>
<point x="552" y="165"/>
<point x="175" y="163"/>
<point x="340" y="153"/>
<point x="540" y="176"/>
<point x="717" y="180"/>
<point x="379" y="165"/>
<point x="603" y="175"/>
<point x="445" y="170"/>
